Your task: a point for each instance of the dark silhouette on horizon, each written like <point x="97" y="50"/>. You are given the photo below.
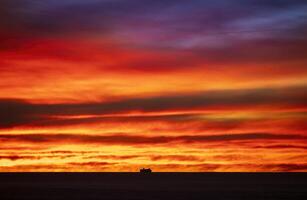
<point x="145" y="170"/>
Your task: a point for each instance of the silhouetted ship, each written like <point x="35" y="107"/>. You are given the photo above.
<point x="145" y="171"/>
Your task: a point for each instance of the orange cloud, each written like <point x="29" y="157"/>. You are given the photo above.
<point x="92" y="86"/>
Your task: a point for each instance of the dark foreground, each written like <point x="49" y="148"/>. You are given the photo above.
<point x="158" y="186"/>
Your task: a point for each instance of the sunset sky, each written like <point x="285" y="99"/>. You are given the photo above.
<point x="175" y="85"/>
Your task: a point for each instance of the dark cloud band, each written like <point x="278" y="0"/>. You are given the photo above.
<point x="16" y="113"/>
<point x="122" y="139"/>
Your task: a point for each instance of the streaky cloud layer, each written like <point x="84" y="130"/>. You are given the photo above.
<point x="115" y="85"/>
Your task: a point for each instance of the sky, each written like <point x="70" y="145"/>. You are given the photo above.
<point x="174" y="85"/>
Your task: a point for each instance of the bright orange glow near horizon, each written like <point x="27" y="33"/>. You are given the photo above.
<point x="121" y="85"/>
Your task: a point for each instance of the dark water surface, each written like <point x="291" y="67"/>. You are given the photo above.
<point x="153" y="186"/>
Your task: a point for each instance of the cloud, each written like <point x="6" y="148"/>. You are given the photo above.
<point x="176" y="158"/>
<point x="17" y="148"/>
<point x="176" y="27"/>
<point x="28" y="157"/>
<point x="17" y="157"/>
<point x="91" y="164"/>
<point x="263" y="50"/>
<point x="149" y="157"/>
<point x="287" y="167"/>
<point x="121" y="139"/>
<point x="281" y="147"/>
<point x="74" y="50"/>
<point x="113" y="157"/>
<point x="16" y="112"/>
<point x="207" y="167"/>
